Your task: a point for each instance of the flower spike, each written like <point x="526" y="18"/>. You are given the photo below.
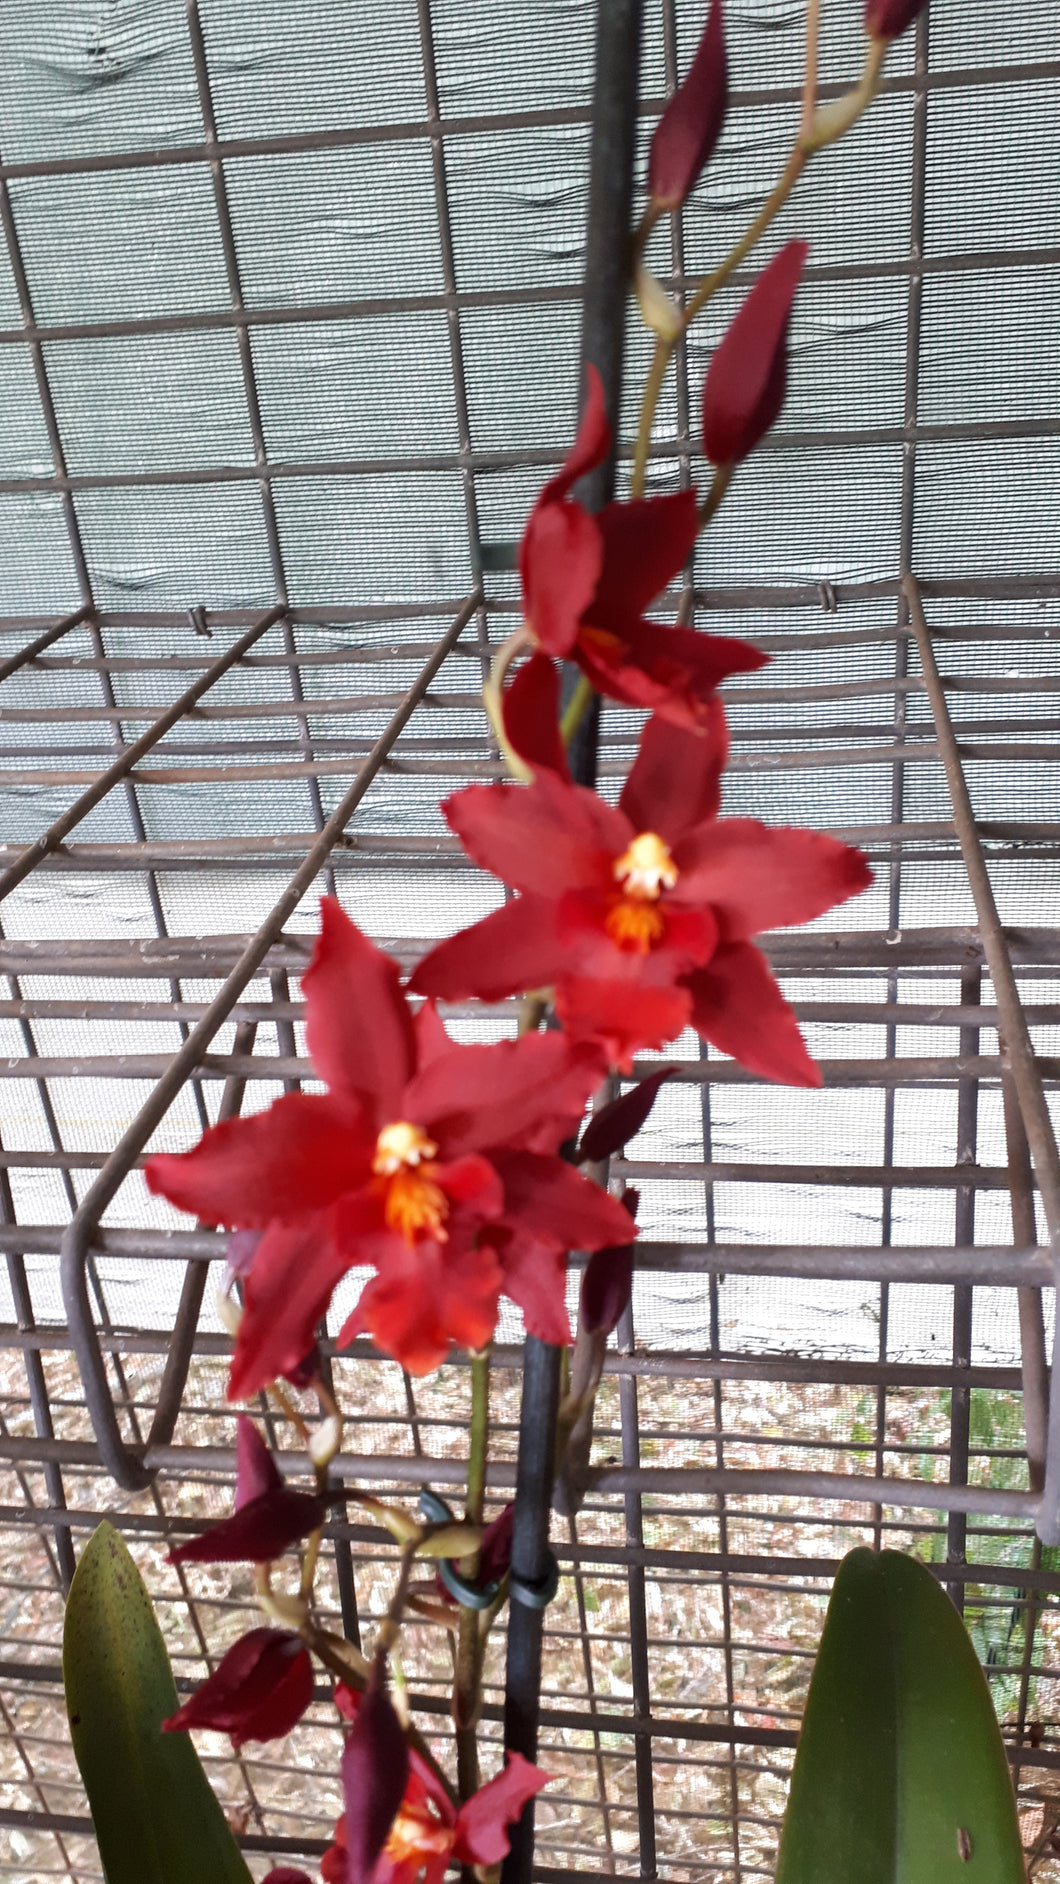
<point x="748" y="376"/>
<point x="691" y="124"/>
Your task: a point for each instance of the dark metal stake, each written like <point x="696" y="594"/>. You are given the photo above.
<point x="603" y="331"/>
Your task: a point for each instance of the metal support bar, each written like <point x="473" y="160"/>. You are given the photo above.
<point x="45" y="640"/>
<point x="130" y="1472"/>
<point x="130" y="756"/>
<point x="1013" y="1029"/>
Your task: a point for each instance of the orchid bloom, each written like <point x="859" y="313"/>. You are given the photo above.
<point x="691" y="124"/>
<point x="588" y="579"/>
<point x="429" y="1832"/>
<point x="269" y="1515"/>
<point x="641" y="915"/>
<point x="419" y="1146"/>
<point x="258" y="1691"/>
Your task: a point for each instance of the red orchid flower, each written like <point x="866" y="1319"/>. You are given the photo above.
<point x="747" y="379"/>
<point x="429" y="1832"/>
<point x="587" y="581"/>
<point x="269" y="1515"/>
<point x="641" y="915"/>
<point x="258" y="1691"/>
<point x="691" y="123"/>
<point x="418" y="1147"/>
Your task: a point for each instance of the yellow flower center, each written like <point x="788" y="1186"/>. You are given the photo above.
<point x="417" y="1835"/>
<point x="646" y="868"/>
<point x="413" y="1204"/>
<point x="635" y="921"/>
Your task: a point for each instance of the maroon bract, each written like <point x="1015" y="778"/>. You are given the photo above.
<point x="259" y="1690"/>
<point x="691" y="124"/>
<point x="587" y="581"/>
<point x="748" y="375"/>
<point x="885" y="19"/>
<point x="641" y="915"/>
<point x="269" y="1515"/>
<point x="375" y="1772"/>
<point x="419" y="1147"/>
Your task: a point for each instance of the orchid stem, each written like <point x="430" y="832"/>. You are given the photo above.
<point x="492" y="699"/>
<point x="309" y="1563"/>
<point x="470" y="1642"/>
<point x="712" y="501"/>
<point x="290" y="1411"/>
<point x="806" y="142"/>
<point x="576" y="709"/>
<point x="390" y="1627"/>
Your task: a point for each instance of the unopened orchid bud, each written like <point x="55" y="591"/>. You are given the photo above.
<point x="326" y="1440"/>
<point x="748" y="376"/>
<point x="607" y="1281"/>
<point x="402" y="1528"/>
<point x="451" y="1540"/>
<point x="619" y="1121"/>
<point x="657" y="310"/>
<point x="229" y="1312"/>
<point x="375" y="1771"/>
<point x="885" y="19"/>
<point x="690" y="126"/>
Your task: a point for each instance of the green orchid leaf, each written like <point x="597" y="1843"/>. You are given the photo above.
<point x="156" y="1818"/>
<point x="900" y="1775"/>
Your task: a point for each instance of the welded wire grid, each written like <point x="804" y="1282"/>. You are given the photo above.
<point x="288" y="315"/>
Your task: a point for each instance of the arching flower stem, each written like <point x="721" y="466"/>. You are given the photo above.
<point x="491" y="698"/>
<point x="805" y="145"/>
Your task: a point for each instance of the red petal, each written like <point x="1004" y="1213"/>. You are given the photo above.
<point x="560" y="560"/>
<point x="509" y="951"/>
<point x="375" y="1770"/>
<point x="737" y="1006"/>
<point x="504" y="1094"/>
<point x="287" y="1292"/>
<point x="548" y="1198"/>
<point x="691" y="124"/>
<point x="431" y="1037"/>
<point x="259" y="1690"/>
<point x="258" y="1532"/>
<point x="535" y="1277"/>
<point x="672" y="671"/>
<point x="256" y="1473"/>
<point x="590" y="447"/>
<point x="294" y="1158"/>
<point x="675" y="781"/>
<point x="426" y="1299"/>
<point x="615" y="1124"/>
<point x="744" y="388"/>
<point x="755" y="877"/>
<point x="542" y="838"/>
<point x="645" y="544"/>
<point x="358" y="1025"/>
<point x="481" y="1834"/>
<point x="624" y="1018"/>
<point x="531" y="715"/>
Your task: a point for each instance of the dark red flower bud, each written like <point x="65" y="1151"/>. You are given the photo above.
<point x="617" y="1123"/>
<point x="375" y="1771"/>
<point x="691" y="124"/>
<point x="607" y="1281"/>
<point x="269" y="1516"/>
<point x="748" y="375"/>
<point x="285" y="1874"/>
<point x="261" y="1688"/>
<point x="885" y="19"/>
